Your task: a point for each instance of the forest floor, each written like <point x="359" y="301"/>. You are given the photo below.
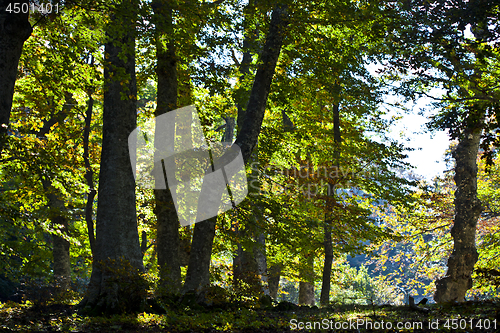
<point x="285" y="317"/>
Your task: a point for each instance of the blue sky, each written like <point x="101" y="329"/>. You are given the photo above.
<point x="429" y="148"/>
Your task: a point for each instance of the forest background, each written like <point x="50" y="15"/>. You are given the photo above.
<point x="334" y="213"/>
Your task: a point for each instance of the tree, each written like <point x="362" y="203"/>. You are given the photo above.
<point x="434" y="51"/>
<point x="198" y="272"/>
<point x="15" y="29"/>
<point x="116" y="284"/>
<point x="43" y="151"/>
<point x="167" y="237"/>
<point x="415" y="260"/>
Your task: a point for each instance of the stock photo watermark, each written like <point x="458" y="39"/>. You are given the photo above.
<point x="362" y="324"/>
<point x="310" y="180"/>
<point x="170" y="152"/>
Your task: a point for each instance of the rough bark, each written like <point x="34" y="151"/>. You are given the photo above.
<point x="198" y="273"/>
<point x="116" y="284"/>
<point x="15" y="29"/>
<point x="60" y="245"/>
<point x="306" y="285"/>
<point x="167" y="233"/>
<point x="327" y="268"/>
<point x="458" y="279"/>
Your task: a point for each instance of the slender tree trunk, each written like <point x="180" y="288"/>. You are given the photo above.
<point x="60" y="245"/>
<point x="327" y="269"/>
<point x="116" y="285"/>
<point x="57" y="209"/>
<point x="242" y="94"/>
<point x="245" y="270"/>
<point x="60" y="253"/>
<point x="15" y="29"/>
<point x="198" y="273"/>
<point x="458" y="279"/>
<point x="167" y="236"/>
<point x="259" y="253"/>
<point x="229" y="130"/>
<point x="274" y="273"/>
<point x="306" y="285"/>
<point x="89" y="175"/>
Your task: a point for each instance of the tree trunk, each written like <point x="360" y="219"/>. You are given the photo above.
<point x="274" y="273"/>
<point x="458" y="279"/>
<point x="245" y="270"/>
<point x="167" y="232"/>
<point x="306" y="285"/>
<point x="89" y="175"/>
<point x="15" y="29"/>
<point x="245" y="266"/>
<point x="60" y="246"/>
<point x="254" y="114"/>
<point x="116" y="284"/>
<point x="57" y="209"/>
<point x="327" y="269"/>
<point x="250" y="264"/>
<point x="259" y="253"/>
<point x="241" y="95"/>
<point x="198" y="273"/>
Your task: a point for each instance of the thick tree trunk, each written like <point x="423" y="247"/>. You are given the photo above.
<point x="245" y="270"/>
<point x="458" y="280"/>
<point x="198" y="273"/>
<point x="306" y="285"/>
<point x="116" y="284"/>
<point x="327" y="269"/>
<point x="167" y="237"/>
<point x="250" y="264"/>
<point x="60" y="246"/>
<point x="245" y="265"/>
<point x="15" y="29"/>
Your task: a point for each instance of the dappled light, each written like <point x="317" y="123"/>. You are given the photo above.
<point x="246" y="166"/>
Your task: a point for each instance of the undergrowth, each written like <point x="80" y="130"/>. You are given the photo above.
<point x="285" y="317"/>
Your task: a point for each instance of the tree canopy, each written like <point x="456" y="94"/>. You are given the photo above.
<point x="287" y="84"/>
